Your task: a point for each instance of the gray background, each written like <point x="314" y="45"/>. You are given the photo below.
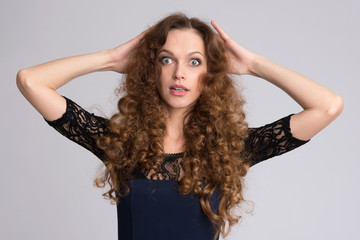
<point x="46" y="180"/>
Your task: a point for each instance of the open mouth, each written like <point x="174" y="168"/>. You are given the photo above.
<point x="179" y="89"/>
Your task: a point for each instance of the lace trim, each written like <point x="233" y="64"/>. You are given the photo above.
<point x="262" y="143"/>
<point x="174" y="154"/>
<point x="170" y="169"/>
<point x="81" y="127"/>
<point x="270" y="140"/>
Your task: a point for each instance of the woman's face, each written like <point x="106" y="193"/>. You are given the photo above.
<point x="183" y="62"/>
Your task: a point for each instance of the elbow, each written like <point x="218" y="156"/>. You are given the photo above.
<point x="27" y="82"/>
<point x="23" y="81"/>
<point x="336" y="107"/>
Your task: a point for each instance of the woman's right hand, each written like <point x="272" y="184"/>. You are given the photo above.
<point x="120" y="55"/>
<point x="39" y="83"/>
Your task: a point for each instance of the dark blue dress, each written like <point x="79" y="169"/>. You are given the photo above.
<point x="154" y="209"/>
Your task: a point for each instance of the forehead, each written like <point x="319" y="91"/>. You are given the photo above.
<point x="184" y="40"/>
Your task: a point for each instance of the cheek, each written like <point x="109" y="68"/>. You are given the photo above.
<point x="163" y="81"/>
<point x="200" y="81"/>
<point x="165" y="73"/>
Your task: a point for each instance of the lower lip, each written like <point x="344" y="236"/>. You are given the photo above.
<point x="178" y="93"/>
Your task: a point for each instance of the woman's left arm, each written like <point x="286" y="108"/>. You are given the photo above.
<point x="321" y="106"/>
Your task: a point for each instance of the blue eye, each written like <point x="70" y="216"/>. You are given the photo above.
<point x="194" y="62"/>
<point x="166" y="60"/>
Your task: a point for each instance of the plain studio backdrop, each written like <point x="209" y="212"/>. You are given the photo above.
<point x="46" y="180"/>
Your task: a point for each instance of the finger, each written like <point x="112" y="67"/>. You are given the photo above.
<point x="140" y="36"/>
<point x="220" y="30"/>
<point x="136" y="40"/>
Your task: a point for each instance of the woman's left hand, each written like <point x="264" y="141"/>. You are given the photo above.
<point x="321" y="106"/>
<point x="240" y="59"/>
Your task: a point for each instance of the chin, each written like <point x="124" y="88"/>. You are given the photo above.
<point x="179" y="106"/>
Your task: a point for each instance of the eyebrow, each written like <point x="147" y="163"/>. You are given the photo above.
<point x="189" y="54"/>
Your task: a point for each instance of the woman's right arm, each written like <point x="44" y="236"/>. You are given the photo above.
<point x="38" y="84"/>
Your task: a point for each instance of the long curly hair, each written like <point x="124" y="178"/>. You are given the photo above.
<point x="214" y="131"/>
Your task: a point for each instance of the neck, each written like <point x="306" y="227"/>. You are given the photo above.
<point x="174" y="138"/>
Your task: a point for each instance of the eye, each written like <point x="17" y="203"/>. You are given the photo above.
<point x="166" y="60"/>
<point x="195" y="62"/>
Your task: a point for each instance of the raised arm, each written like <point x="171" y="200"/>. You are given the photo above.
<point x="321" y="106"/>
<point x="39" y="83"/>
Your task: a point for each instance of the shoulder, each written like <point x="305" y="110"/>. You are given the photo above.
<point x="81" y="127"/>
<point x="270" y="140"/>
<point x="75" y="114"/>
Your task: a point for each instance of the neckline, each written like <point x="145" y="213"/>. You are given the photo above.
<point x="174" y="154"/>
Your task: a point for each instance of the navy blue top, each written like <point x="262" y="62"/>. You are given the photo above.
<point x="155" y="209"/>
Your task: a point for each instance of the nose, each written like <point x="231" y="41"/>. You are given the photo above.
<point x="179" y="72"/>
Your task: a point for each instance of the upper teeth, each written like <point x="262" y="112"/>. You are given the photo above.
<point x="179" y="89"/>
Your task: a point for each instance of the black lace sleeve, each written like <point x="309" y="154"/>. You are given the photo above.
<point x="81" y="127"/>
<point x="270" y="140"/>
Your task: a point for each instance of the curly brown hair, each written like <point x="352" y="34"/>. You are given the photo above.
<point x="214" y="131"/>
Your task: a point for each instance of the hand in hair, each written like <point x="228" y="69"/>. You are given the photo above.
<point x="39" y="83"/>
<point x="240" y="59"/>
<point x="321" y="106"/>
<point x="121" y="53"/>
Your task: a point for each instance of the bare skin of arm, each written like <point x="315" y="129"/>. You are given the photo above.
<point x="38" y="84"/>
<point x="321" y="106"/>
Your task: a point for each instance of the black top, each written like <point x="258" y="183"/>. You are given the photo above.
<point x="154" y="208"/>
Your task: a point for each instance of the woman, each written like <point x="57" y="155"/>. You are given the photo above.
<point x="179" y="147"/>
